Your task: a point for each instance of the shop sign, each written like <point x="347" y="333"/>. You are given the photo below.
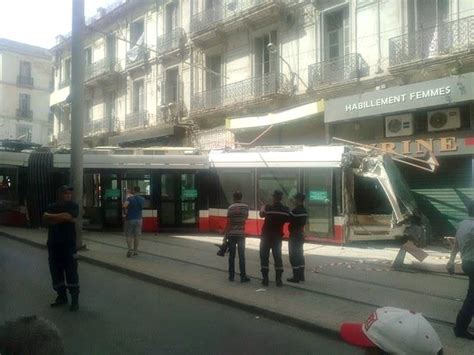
<point x="445" y="91"/>
<point x="438" y="146"/>
<point x="318" y="196"/>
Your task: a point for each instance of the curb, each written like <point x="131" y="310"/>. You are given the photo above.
<point x="302" y="324"/>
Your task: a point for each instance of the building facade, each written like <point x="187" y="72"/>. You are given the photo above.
<point x="25" y="73"/>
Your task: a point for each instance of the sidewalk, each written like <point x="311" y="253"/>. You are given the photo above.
<point x="342" y="283"/>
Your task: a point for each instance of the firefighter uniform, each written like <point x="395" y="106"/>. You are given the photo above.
<point x="276" y="216"/>
<point x="62" y="254"/>
<point x="298" y="218"/>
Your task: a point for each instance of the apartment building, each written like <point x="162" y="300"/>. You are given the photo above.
<point x="25" y="73"/>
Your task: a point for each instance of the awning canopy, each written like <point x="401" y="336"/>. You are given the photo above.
<point x="290" y="115"/>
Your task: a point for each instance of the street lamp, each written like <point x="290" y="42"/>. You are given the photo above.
<point x="272" y="48"/>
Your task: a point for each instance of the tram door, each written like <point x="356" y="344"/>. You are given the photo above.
<point x="178" y="197"/>
<point x="112" y="199"/>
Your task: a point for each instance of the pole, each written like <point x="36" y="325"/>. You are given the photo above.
<point x="77" y="110"/>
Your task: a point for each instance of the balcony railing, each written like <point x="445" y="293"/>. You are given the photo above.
<point x="99" y="126"/>
<point x="229" y="9"/>
<point x="241" y="91"/>
<point x="136" y="120"/>
<point x="348" y="67"/>
<point x="447" y="38"/>
<point x="24" y="114"/>
<point x="64" y="83"/>
<point x="136" y="55"/>
<point x="170" y="41"/>
<point x="22" y="80"/>
<point x="101" y="67"/>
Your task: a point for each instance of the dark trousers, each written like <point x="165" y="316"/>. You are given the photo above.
<point x="295" y="249"/>
<point x="63" y="265"/>
<point x="273" y="244"/>
<point x="236" y="243"/>
<point x="467" y="310"/>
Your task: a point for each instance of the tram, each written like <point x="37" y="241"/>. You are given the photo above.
<point x="353" y="193"/>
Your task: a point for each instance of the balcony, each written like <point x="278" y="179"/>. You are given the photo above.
<point x="102" y="70"/>
<point x="99" y="126"/>
<point x="240" y="92"/>
<point x="64" y="83"/>
<point x="170" y="41"/>
<point x="136" y="57"/>
<point x="136" y="120"/>
<point x="447" y="39"/>
<point x="64" y="137"/>
<point x="22" y="80"/>
<point x="24" y="114"/>
<point x="234" y="14"/>
<point x="337" y="70"/>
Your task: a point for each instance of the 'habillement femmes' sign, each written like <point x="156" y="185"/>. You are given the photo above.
<point x="445" y="91"/>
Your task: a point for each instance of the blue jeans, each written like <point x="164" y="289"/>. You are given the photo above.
<point x="236" y="242"/>
<point x="267" y="243"/>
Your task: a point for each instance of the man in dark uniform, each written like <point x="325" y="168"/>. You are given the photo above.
<point x="62" y="254"/>
<point x="298" y="218"/>
<point x="276" y="215"/>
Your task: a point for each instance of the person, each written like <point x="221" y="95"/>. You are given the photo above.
<point x="276" y="215"/>
<point x="62" y="253"/>
<point x="465" y="244"/>
<point x="394" y="331"/>
<point x="298" y="218"/>
<point x="30" y="335"/>
<point x="133" y="207"/>
<point x="234" y="232"/>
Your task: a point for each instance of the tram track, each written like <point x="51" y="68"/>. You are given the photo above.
<point x="315" y="292"/>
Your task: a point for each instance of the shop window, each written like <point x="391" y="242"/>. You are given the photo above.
<point x="319" y="201"/>
<point x="236" y="181"/>
<point x="287" y="182"/>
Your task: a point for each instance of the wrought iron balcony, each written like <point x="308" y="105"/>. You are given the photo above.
<point x="22" y="80"/>
<point x="99" y="126"/>
<point x="136" y="120"/>
<point x="100" y="68"/>
<point x="207" y="18"/>
<point x="448" y="38"/>
<point x="241" y="91"/>
<point x="24" y="114"/>
<point x="65" y="83"/>
<point x="136" y="55"/>
<point x="348" y="67"/>
<point x="170" y="41"/>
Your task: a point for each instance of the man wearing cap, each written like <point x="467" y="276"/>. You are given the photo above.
<point x="276" y="215"/>
<point x="394" y="331"/>
<point x="465" y="244"/>
<point x="62" y="254"/>
<point x="298" y="217"/>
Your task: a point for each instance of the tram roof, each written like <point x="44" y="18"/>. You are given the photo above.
<point x="282" y="157"/>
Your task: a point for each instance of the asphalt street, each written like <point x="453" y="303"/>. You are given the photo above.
<point x="122" y="315"/>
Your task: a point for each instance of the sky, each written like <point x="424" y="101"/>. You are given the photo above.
<point x="38" y="22"/>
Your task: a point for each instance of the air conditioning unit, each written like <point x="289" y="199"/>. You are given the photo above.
<point x="399" y="125"/>
<point x="442" y="120"/>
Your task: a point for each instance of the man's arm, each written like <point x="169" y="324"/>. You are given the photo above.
<point x="56" y="218"/>
<point x="452" y="257"/>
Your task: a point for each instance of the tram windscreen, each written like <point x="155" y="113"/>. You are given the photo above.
<point x="369" y="197"/>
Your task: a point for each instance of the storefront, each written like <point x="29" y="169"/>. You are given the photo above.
<point x="435" y="116"/>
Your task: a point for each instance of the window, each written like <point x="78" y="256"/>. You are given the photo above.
<point x="8" y="186"/>
<point x="287" y="182"/>
<point x="213" y="81"/>
<point x="25" y="69"/>
<point x="171" y="91"/>
<point x="24" y="104"/>
<point x="24" y="133"/>
<point x="265" y="61"/>
<point x="143" y="181"/>
<point x="67" y="69"/>
<point x="318" y="190"/>
<point x="336" y="34"/>
<point x="230" y="181"/>
<point x="137" y="29"/>
<point x="88" y="56"/>
<point x="138" y="96"/>
<point x="89" y="111"/>
<point x="171" y="17"/>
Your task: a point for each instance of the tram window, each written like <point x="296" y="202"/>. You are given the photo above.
<point x="236" y="180"/>
<point x="287" y="182"/>
<point x="370" y="197"/>
<point x="143" y="182"/>
<point x="319" y="201"/>
<point x="8" y="184"/>
<point x="92" y="190"/>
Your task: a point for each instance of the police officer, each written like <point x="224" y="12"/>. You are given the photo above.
<point x="62" y="254"/>
<point x="276" y="215"/>
<point x="298" y="218"/>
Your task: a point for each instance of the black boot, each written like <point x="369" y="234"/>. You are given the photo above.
<point x="278" y="273"/>
<point x="301" y="273"/>
<point x="265" y="277"/>
<point x="231" y="276"/>
<point x="463" y="334"/>
<point x="60" y="300"/>
<point x="74" y="302"/>
<point x="244" y="278"/>
<point x="295" y="279"/>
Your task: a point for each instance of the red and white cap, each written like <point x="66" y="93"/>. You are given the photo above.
<point x="394" y="330"/>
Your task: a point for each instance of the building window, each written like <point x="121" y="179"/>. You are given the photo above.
<point x="137" y="29"/>
<point x="171" y="92"/>
<point x="336" y="33"/>
<point x="24" y="133"/>
<point x="67" y="70"/>
<point x="24" y="103"/>
<point x="25" y="69"/>
<point x="138" y="103"/>
<point x="171" y="17"/>
<point x="88" y="56"/>
<point x="265" y="61"/>
<point x="89" y="111"/>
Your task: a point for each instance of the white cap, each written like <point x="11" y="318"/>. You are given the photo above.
<point x="394" y="330"/>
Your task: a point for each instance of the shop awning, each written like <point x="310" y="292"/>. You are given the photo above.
<point x="292" y="114"/>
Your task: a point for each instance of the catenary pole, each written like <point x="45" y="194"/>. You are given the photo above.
<point x="77" y="109"/>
